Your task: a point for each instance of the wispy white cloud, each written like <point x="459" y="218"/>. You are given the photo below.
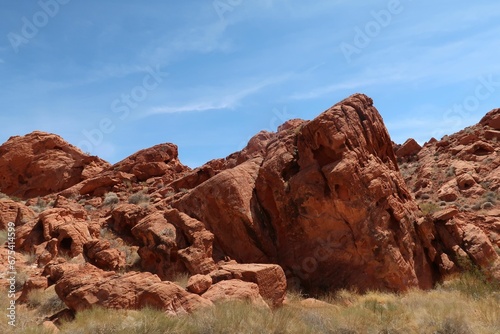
<point x="229" y="100"/>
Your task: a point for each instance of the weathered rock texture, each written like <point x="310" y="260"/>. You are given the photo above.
<point x="158" y="160"/>
<point x="81" y="287"/>
<point x="324" y="199"/>
<point x="319" y="204"/>
<point x="456" y="181"/>
<point x="39" y="164"/>
<point x="408" y="149"/>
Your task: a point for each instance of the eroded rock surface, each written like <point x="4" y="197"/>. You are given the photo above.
<point x="40" y="163"/>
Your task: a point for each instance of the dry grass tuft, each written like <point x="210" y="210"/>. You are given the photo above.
<point x="465" y="304"/>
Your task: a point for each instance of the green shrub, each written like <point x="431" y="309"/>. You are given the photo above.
<point x="139" y="198"/>
<point x="429" y="208"/>
<point x="111" y="198"/>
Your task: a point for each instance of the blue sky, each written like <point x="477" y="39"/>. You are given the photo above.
<point x="117" y="76"/>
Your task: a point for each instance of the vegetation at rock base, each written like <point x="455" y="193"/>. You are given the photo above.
<point x="466" y="303"/>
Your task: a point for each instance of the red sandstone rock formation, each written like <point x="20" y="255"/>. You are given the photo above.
<point x="159" y="160"/>
<point x="460" y="174"/>
<point x="15" y="212"/>
<point x="39" y="164"/>
<point x="323" y="199"/>
<point x="408" y="149"/>
<point x="81" y="287"/>
<point x="235" y="290"/>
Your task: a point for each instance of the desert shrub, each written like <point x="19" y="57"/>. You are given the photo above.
<point x="181" y="279"/>
<point x="473" y="281"/>
<point x="47" y="302"/>
<point x="40" y="205"/>
<point x="139" y="198"/>
<point x="490" y="196"/>
<point x="30" y="257"/>
<point x="21" y="278"/>
<point x="2" y="195"/>
<point x="415" y="311"/>
<point x="454" y="325"/>
<point x="476" y="207"/>
<point x="429" y="208"/>
<point x="450" y="172"/>
<point x="111" y="198"/>
<point x="132" y="258"/>
<point x="106" y="233"/>
<point x="101" y="320"/>
<point x="3" y="237"/>
<point x="487" y="206"/>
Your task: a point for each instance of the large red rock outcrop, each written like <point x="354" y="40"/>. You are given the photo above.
<point x="39" y="164"/>
<point x="324" y="199"/>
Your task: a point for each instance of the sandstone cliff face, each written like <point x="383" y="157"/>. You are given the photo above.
<point x="324" y="199"/>
<point x="39" y="164"/>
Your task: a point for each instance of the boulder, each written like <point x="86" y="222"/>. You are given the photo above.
<point x="159" y="160"/>
<point x="158" y="250"/>
<point x="444" y="215"/>
<point x="84" y="286"/>
<point x="492" y="119"/>
<point x="194" y="244"/>
<point x="16" y="212"/>
<point x="408" y="149"/>
<point x="199" y="283"/>
<point x="173" y="242"/>
<point x="235" y="290"/>
<point x="100" y="254"/>
<point x="40" y="163"/>
<point x="465" y="181"/>
<point x="270" y="279"/>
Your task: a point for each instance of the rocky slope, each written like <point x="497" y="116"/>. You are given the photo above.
<point x="319" y="205"/>
<point x="459" y="174"/>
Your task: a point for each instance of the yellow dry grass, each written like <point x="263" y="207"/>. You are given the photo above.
<point x="466" y="304"/>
